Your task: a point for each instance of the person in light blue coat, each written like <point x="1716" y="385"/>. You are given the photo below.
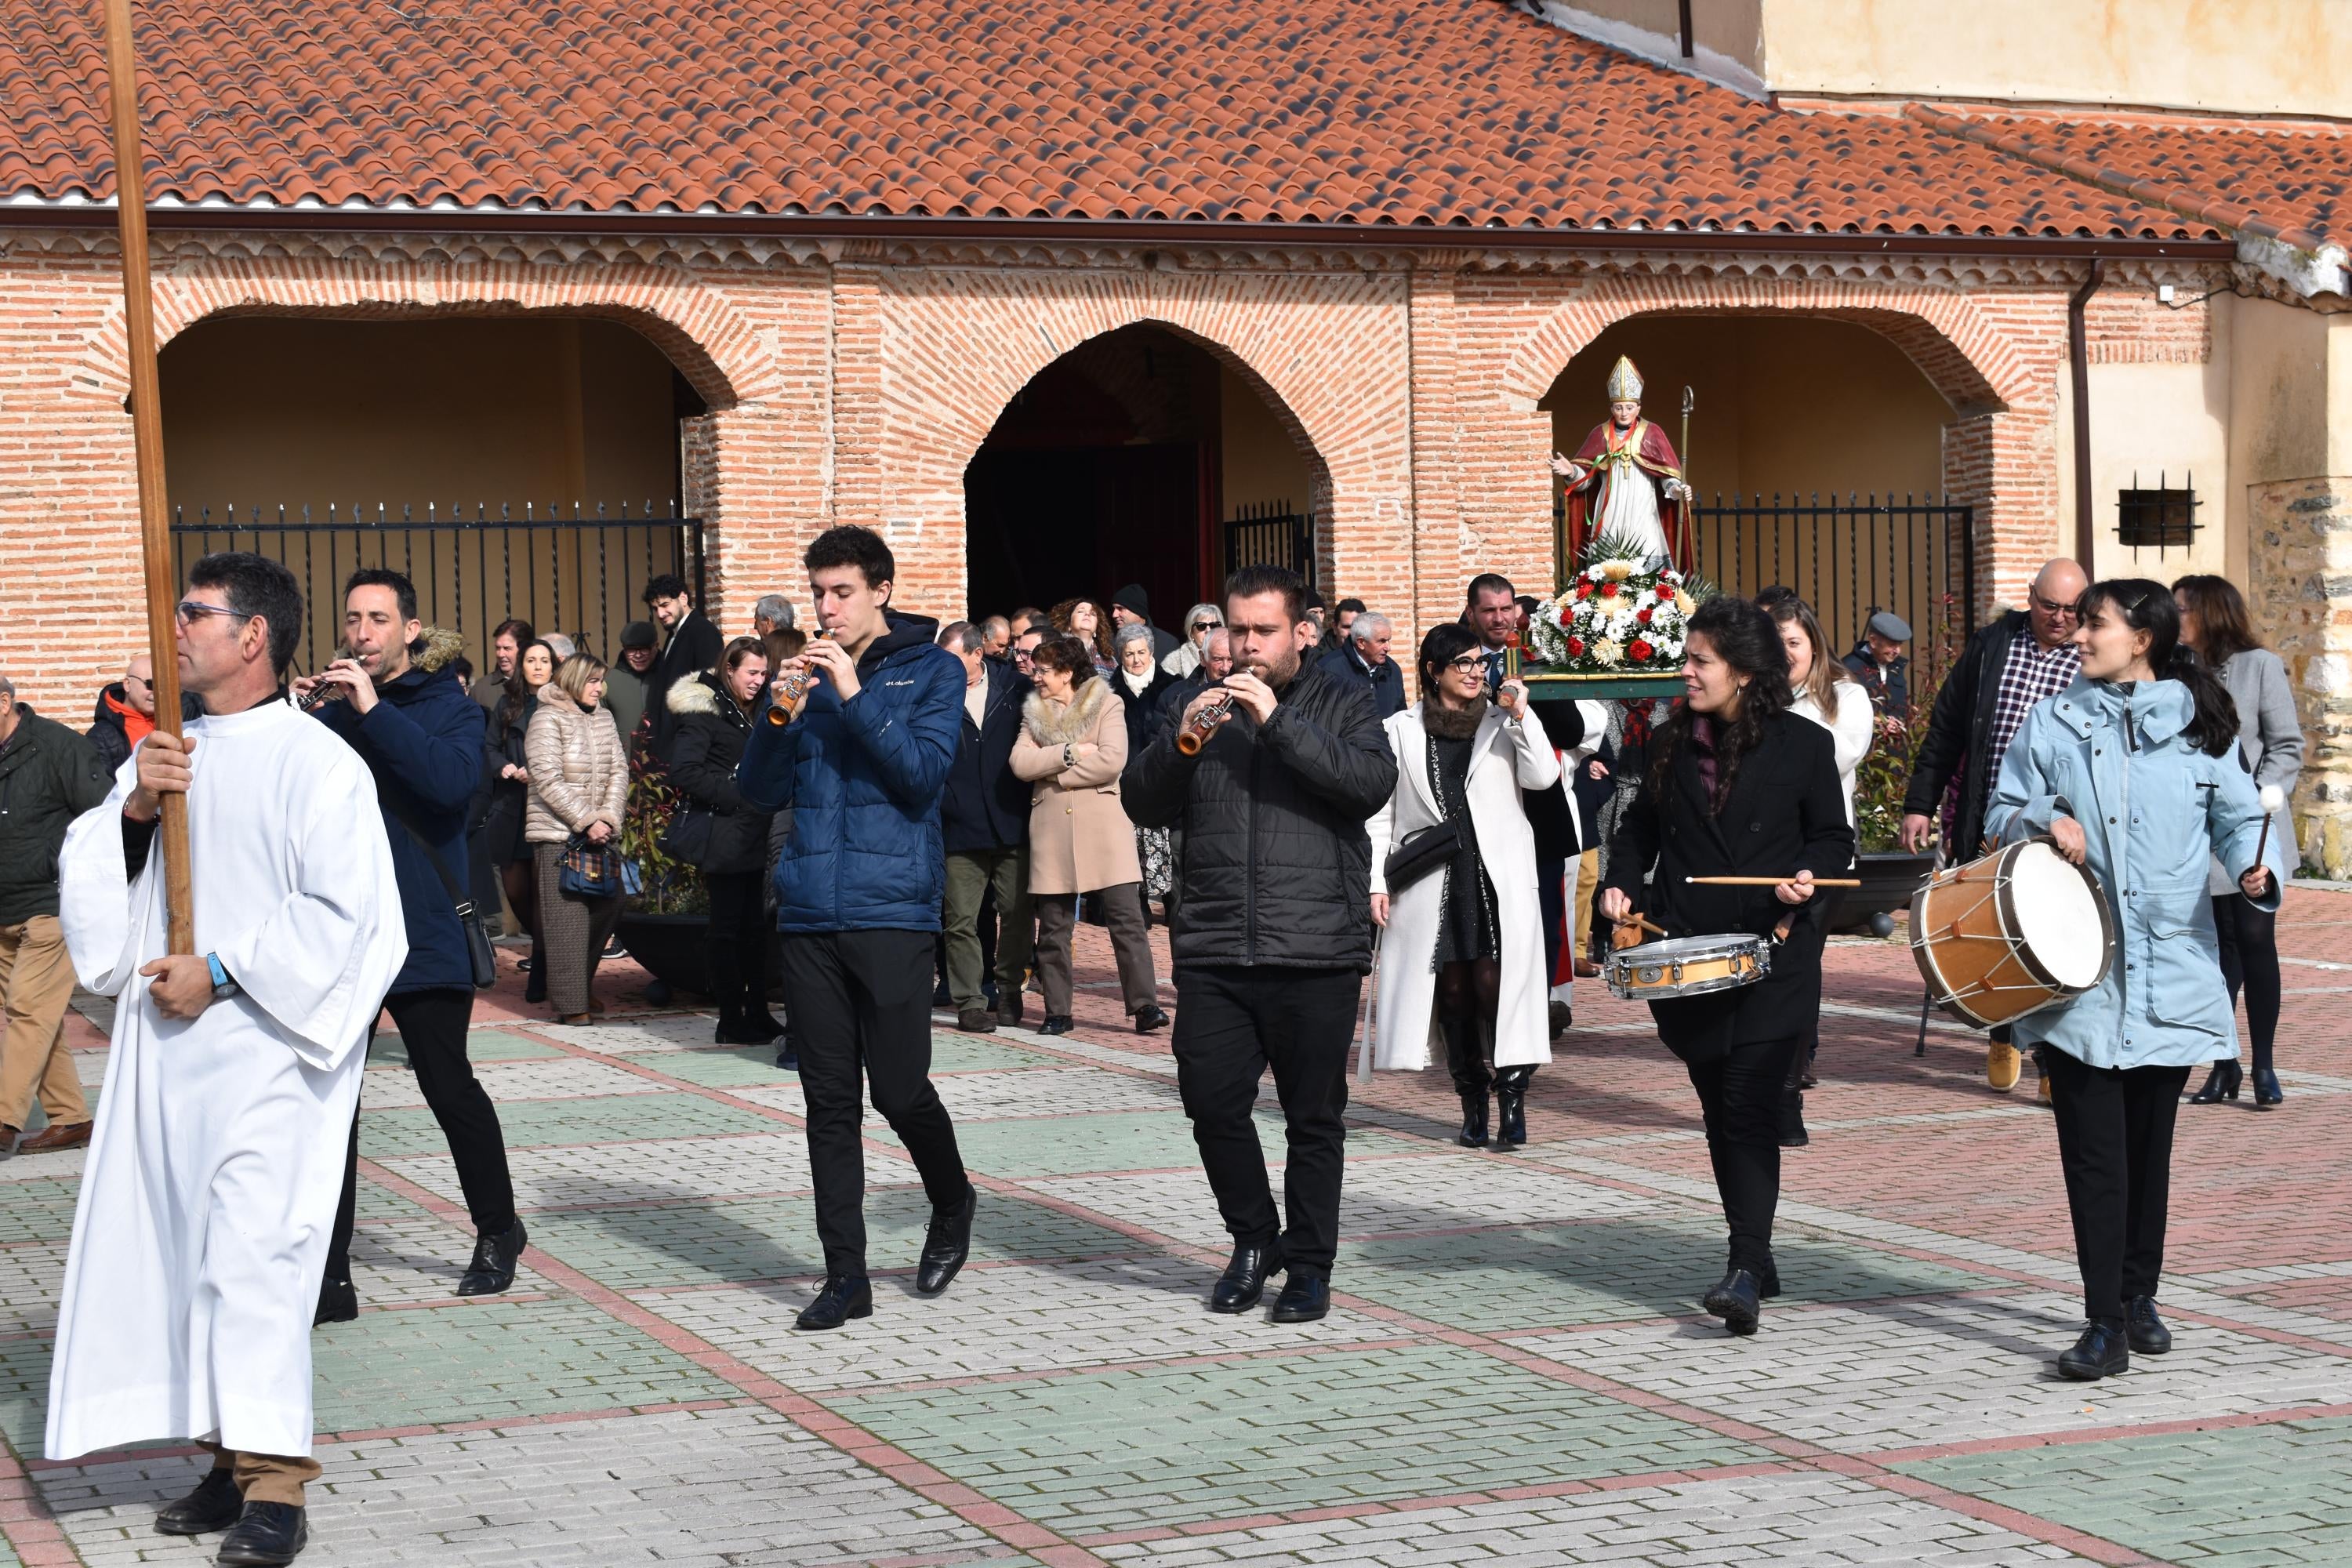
<point x="2128" y="773"/>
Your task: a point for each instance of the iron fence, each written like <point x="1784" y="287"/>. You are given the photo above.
<point x="1271" y="534"/>
<point x="582" y="575"/>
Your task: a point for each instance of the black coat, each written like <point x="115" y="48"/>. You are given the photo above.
<point x="711" y="733"/>
<point x="108" y="733"/>
<point x="1144" y="708"/>
<point x="1889" y="686"/>
<point x="1276" y="868"/>
<point x="985" y="807"/>
<point x="1386" y="684"/>
<point x="1786" y="814"/>
<point x="49" y="776"/>
<point x="694" y="647"/>
<point x="1956" y="728"/>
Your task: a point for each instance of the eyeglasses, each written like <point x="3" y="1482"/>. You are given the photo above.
<point x="2050" y="608"/>
<point x="1468" y="664"/>
<point x="188" y="610"/>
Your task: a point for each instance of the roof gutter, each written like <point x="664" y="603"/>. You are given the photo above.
<point x="913" y="229"/>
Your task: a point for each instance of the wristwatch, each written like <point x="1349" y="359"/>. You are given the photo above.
<point x="223" y="987"/>
<point x="1069" y="756"/>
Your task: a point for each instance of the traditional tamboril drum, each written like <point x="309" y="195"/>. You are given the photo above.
<point x="2018" y="930"/>
<point x="1687" y="966"/>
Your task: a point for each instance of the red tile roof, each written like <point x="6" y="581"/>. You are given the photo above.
<point x="1358" y="112"/>
<point x="2288" y="183"/>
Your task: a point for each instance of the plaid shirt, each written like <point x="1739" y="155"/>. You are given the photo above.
<point x="2030" y="673"/>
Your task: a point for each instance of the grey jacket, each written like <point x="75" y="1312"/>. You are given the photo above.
<point x="2270" y="733"/>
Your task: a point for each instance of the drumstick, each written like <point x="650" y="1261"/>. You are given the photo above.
<point x="2272" y="798"/>
<point x="1769" y="881"/>
<point x="1645" y="925"/>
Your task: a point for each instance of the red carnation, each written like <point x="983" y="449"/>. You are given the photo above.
<point x="1643" y="615"/>
<point x="1665" y="594"/>
<point x="1576" y="647"/>
<point x="1584" y="590"/>
<point x="1607" y="590"/>
<point x="1639" y="650"/>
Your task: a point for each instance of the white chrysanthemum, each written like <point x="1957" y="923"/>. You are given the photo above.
<point x="1608" y="651"/>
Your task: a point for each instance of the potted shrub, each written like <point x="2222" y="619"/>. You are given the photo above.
<point x="666" y="924"/>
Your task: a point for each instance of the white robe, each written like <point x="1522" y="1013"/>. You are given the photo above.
<point x="1505" y="758"/>
<point x="210" y="1190"/>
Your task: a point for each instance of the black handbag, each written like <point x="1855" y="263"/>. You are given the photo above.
<point x="469" y="919"/>
<point x="688" y="837"/>
<point x="1424" y="850"/>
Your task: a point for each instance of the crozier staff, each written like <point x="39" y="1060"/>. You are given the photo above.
<point x="2129" y="771"/>
<point x="1737" y="784"/>
<point x="209" y="1198"/>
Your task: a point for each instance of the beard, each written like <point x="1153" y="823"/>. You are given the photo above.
<point x="1278" y="672"/>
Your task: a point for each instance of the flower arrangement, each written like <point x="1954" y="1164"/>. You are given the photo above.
<point x="1619" y="615"/>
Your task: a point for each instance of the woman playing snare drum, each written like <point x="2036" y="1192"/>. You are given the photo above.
<point x="2129" y="772"/>
<point x="1738" y="785"/>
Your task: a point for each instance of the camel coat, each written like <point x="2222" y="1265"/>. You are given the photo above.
<point x="1505" y="757"/>
<point x="1079" y="836"/>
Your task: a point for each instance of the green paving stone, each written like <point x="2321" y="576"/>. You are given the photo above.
<point x="1129" y="1140"/>
<point x="541" y="1123"/>
<point x="440" y="1365"/>
<point x="1603" y="1271"/>
<point x="771" y="1238"/>
<point x="481" y="1045"/>
<point x="961" y="1052"/>
<point x="732" y="1067"/>
<point x="378" y="1201"/>
<point x="2252" y="1497"/>
<point x="38" y="1211"/>
<point x="1278" y="1433"/>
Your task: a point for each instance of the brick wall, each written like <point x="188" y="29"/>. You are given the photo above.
<point x="2301" y="550"/>
<point x="855" y="389"/>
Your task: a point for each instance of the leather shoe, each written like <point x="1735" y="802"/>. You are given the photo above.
<point x="1739" y="1301"/>
<point x="493" y="1269"/>
<point x="1767" y="1284"/>
<point x="836" y="1303"/>
<point x="1149" y="1018"/>
<point x="1056" y="1024"/>
<point x="213" y="1505"/>
<point x="1563" y="1019"/>
<point x="1243" y="1283"/>
<point x="737" y="1032"/>
<point x="264" y="1535"/>
<point x="1306" y="1296"/>
<point x="2143" y="1330"/>
<point x="51" y="1139"/>
<point x="946" y="1244"/>
<point x="2100" y="1353"/>
<point x="338" y="1303"/>
<point x="2267" y="1092"/>
<point x="2221" y="1084"/>
<point x="976" y="1021"/>
<point x="1008" y="1007"/>
<point x="1587" y="970"/>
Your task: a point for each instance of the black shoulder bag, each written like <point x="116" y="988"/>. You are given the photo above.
<point x="469" y="920"/>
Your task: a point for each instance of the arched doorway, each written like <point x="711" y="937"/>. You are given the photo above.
<point x="525" y="465"/>
<point x="1120" y="462"/>
<point x="1817" y="450"/>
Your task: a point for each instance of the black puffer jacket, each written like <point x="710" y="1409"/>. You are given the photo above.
<point x="711" y="733"/>
<point x="1276" y="868"/>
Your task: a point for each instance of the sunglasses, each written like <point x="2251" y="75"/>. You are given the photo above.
<point x="2050" y="608"/>
<point x="188" y="610"/>
<point x="1206" y="625"/>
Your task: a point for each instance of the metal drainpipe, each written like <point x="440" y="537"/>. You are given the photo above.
<point x="2078" y="360"/>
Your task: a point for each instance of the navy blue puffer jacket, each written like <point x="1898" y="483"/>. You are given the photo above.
<point x="863" y="779"/>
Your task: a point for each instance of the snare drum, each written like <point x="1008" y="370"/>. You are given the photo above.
<point x="2018" y="930"/>
<point x="1687" y="966"/>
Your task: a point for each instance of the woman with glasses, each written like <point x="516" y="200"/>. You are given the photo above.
<point x="1202" y="620"/>
<point x="2214" y="623"/>
<point x="1461" y="960"/>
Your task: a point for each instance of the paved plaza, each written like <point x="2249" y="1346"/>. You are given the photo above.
<point x="1515" y="1370"/>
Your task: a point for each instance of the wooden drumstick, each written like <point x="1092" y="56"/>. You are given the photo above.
<point x="1645" y="925"/>
<point x="1769" y="881"/>
<point x="2272" y="798"/>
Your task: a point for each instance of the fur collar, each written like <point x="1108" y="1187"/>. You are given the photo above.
<point x="1454" y="724"/>
<point x="1054" y="724"/>
<point x="691" y="694"/>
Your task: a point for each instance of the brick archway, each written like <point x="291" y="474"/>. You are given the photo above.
<point x="705" y="337"/>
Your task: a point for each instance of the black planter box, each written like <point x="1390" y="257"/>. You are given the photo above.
<point x="1889" y="878"/>
<point x="673" y="949"/>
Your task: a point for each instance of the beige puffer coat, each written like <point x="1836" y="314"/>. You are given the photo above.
<point x="579" y="773"/>
<point x="1080" y="837"/>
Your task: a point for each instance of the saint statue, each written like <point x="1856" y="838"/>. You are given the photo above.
<point x="1626" y="480"/>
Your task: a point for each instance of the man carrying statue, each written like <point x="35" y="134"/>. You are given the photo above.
<point x="1627" y="481"/>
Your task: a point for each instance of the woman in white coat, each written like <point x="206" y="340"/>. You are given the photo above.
<point x="1826" y="692"/>
<point x="1462" y="956"/>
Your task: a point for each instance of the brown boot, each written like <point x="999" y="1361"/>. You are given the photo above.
<point x="71" y="1135"/>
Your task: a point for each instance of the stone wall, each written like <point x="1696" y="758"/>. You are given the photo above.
<point x="2301" y="598"/>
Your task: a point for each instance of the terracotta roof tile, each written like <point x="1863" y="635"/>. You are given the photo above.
<point x="1342" y="111"/>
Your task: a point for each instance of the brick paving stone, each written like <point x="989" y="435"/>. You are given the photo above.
<point x="1016" y="1318"/>
<point x="1292" y="1432"/>
<point x="38" y="1210"/>
<point x="1071" y="1145"/>
<point x="2278" y="1494"/>
<point x="560" y="1078"/>
<point x="673" y="1171"/>
<point x="634" y="1247"/>
<point x="1055" y="1091"/>
<point x="421" y="1258"/>
<point x="545" y="1123"/>
<point x="1809" y="1519"/>
<point x="720" y="1066"/>
<point x="481" y="1045"/>
<point x="710" y="1489"/>
<point x="1955" y="1369"/>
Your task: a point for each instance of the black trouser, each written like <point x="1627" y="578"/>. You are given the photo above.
<point x="432" y="1026"/>
<point x="738" y="944"/>
<point x="1740" y="1093"/>
<point x="2114" y="1140"/>
<point x="861" y="1001"/>
<point x="2250" y="962"/>
<point x="1232" y="1023"/>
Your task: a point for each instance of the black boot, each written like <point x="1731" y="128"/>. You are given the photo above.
<point x="2267" y="1092"/>
<point x="213" y="1505"/>
<point x="1792" y="1120"/>
<point x="266" y="1535"/>
<point x="1243" y="1284"/>
<point x="2221" y="1084"/>
<point x="1466" y="1059"/>
<point x="1511" y="1106"/>
<point x="1737" y="1300"/>
<point x="1474" y="1120"/>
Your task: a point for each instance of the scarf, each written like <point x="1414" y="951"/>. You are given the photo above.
<point x="136" y="726"/>
<point x="1454" y="724"/>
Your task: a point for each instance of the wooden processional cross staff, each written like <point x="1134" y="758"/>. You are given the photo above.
<point x="147" y="437"/>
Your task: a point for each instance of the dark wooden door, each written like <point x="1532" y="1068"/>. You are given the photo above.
<point x="1050" y="524"/>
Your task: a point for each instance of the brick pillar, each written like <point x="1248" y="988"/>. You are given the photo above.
<point x="2302" y="549"/>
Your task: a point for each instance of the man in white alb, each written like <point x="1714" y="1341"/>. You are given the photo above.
<point x="210" y="1190"/>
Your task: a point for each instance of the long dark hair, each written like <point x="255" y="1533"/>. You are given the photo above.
<point x="2146" y="606"/>
<point x="1746" y="638"/>
<point x="2223" y="627"/>
<point x="520" y="696"/>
